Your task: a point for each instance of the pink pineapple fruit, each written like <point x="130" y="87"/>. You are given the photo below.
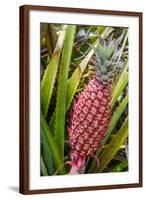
<point x="91" y="113"/>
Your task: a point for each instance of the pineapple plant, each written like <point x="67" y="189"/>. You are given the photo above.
<point x="83" y="98"/>
<point x="91" y="113"/>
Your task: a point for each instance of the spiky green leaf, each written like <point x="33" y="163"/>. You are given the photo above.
<point x="62" y="88"/>
<point x="52" y="145"/>
<point x="114" y="146"/>
<point x="43" y="168"/>
<point x="46" y="153"/>
<point x="48" y="80"/>
<point x="120" y="84"/>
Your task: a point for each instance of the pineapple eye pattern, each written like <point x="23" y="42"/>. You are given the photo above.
<point x="91" y="120"/>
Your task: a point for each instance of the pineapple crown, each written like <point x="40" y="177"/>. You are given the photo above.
<point x="107" y="59"/>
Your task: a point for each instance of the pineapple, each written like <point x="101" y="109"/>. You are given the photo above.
<point x="91" y="113"/>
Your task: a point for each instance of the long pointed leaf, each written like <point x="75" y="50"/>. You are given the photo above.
<point x="120" y="84"/>
<point x="62" y="87"/>
<point x="43" y="168"/>
<point x="46" y="153"/>
<point x="114" y="146"/>
<point x="50" y="74"/>
<point x="122" y="165"/>
<point x="123" y="45"/>
<point x="52" y="144"/>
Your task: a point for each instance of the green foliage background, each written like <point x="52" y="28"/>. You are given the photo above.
<point x="66" y="66"/>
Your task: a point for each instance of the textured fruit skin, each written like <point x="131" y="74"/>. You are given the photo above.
<point x="90" y="118"/>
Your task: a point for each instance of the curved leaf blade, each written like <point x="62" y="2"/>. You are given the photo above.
<point x="48" y="80"/>
<point x="120" y="84"/>
<point x="43" y="168"/>
<point x="52" y="145"/>
<point x="62" y="87"/>
<point x="122" y="165"/>
<point x="114" y="146"/>
<point x="46" y="153"/>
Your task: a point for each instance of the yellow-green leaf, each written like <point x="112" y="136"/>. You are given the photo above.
<point x="62" y="88"/>
<point x="120" y="84"/>
<point x="114" y="146"/>
<point x="48" y="80"/>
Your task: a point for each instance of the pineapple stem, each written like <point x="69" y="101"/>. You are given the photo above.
<point x="77" y="169"/>
<point x="74" y="170"/>
<point x="77" y="163"/>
